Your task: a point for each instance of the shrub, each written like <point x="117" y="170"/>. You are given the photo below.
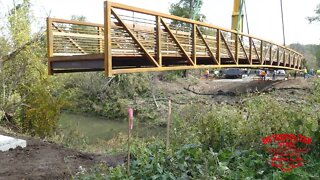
<point x="42" y="110"/>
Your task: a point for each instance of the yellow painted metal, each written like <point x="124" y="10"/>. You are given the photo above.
<point x="152" y="43"/>
<point x="136" y="70"/>
<point x="158" y="39"/>
<point x="235" y="16"/>
<point x="107" y="38"/>
<point x="50" y="44"/>
<point x="177" y="42"/>
<point x="207" y="45"/>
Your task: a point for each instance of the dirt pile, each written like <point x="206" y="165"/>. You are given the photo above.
<point x="45" y="160"/>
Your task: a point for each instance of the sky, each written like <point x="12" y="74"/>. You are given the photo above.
<point x="264" y="16"/>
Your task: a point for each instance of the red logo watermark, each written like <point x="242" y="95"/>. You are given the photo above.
<point x="287" y="150"/>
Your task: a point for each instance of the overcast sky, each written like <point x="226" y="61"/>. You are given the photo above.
<point x="264" y="15"/>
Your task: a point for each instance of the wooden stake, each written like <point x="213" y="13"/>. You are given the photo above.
<point x="130" y="126"/>
<point x="129" y="133"/>
<point x="168" y="124"/>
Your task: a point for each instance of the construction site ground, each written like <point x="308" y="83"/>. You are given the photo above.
<point x="46" y="160"/>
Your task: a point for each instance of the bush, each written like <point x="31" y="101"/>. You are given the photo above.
<point x="242" y="126"/>
<point x="42" y="111"/>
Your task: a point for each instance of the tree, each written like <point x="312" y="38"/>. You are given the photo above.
<point x="28" y="97"/>
<point x="188" y="9"/>
<point x="316" y="18"/>
<point x="317" y="15"/>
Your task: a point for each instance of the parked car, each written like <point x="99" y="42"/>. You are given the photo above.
<point x="233" y="73"/>
<point x="281" y="72"/>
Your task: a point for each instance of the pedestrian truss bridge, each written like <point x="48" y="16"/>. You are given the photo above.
<point x="138" y="40"/>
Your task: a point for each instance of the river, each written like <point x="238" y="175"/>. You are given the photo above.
<point x="95" y="128"/>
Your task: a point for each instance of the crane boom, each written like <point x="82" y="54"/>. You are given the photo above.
<point x="237" y="17"/>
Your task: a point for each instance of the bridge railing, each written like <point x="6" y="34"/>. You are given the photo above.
<point x="189" y="39"/>
<point x="68" y="37"/>
<point x="138" y="40"/>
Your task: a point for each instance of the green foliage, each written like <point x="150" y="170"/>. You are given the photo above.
<point x="172" y="75"/>
<point x="4" y="47"/>
<point x="242" y="127"/>
<point x="43" y="110"/>
<point x="220" y="128"/>
<point x="30" y="98"/>
<point x="224" y="142"/>
<point x="93" y="92"/>
<point x="316" y="91"/>
<point x="317" y="15"/>
<point x="311" y="54"/>
<point x="73" y="139"/>
<point x="188" y="9"/>
<point x="20" y="16"/>
<point x="151" y="161"/>
<point x="191" y="161"/>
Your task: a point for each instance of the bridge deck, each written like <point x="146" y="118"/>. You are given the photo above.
<point x="139" y="40"/>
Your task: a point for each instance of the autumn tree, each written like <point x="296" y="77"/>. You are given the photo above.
<point x="28" y="97"/>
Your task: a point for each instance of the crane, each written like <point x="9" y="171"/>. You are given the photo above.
<point x="196" y="9"/>
<point x="237" y="16"/>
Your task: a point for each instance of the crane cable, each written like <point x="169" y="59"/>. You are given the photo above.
<point x="196" y="9"/>
<point x="240" y="17"/>
<point x="246" y="14"/>
<point x="284" y="37"/>
<point x="243" y="6"/>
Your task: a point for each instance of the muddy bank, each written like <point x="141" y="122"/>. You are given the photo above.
<point x="45" y="160"/>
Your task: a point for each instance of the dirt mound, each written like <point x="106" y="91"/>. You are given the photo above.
<point x="45" y="160"/>
<point x="231" y="91"/>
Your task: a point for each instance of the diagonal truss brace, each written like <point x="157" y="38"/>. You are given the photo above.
<point x="135" y="39"/>
<point x="207" y="45"/>
<point x="177" y="42"/>
<point x="228" y="48"/>
<point x="256" y="51"/>
<point x="70" y="39"/>
<point x="244" y="50"/>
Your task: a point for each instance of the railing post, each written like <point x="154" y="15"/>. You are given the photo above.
<point x="284" y="58"/>
<point x="194" y="43"/>
<point x="50" y="44"/>
<point x="300" y="62"/>
<point x="294" y="61"/>
<point x="289" y="59"/>
<point x="158" y="38"/>
<point x="237" y="48"/>
<point x="107" y="40"/>
<point x="250" y="50"/>
<point x="100" y="39"/>
<point x="218" y="47"/>
<point x="270" y="54"/>
<point x="261" y="53"/>
<point x="278" y="56"/>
